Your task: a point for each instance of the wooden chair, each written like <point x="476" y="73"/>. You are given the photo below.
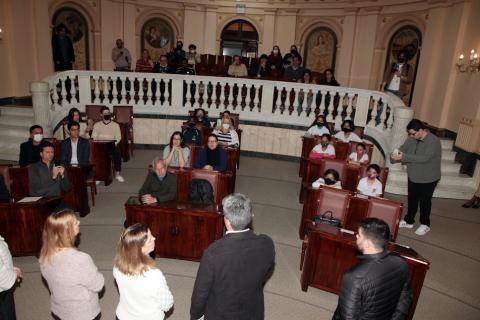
<point x="308" y="143"/>
<point x="93" y="112"/>
<point x="235" y="118"/>
<point x="324" y="199"/>
<point x="341" y="149"/>
<point x="124" y="114"/>
<point x="19" y="183"/>
<point x="383" y="176"/>
<point x="388" y="210"/>
<point x="4" y="169"/>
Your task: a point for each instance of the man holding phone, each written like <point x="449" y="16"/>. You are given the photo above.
<point x="47" y="179"/>
<point x="121" y="57"/>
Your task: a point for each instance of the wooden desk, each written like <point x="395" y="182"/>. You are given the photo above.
<point x="182" y="230"/>
<point x="329" y="253"/>
<point x="77" y="197"/>
<point x="101" y="158"/>
<point x="21" y="224"/>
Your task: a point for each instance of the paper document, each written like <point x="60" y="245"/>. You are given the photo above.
<point x="29" y="199"/>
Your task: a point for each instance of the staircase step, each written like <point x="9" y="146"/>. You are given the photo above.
<point x="448" y="155"/>
<point x="447" y="144"/>
<point x="14" y="131"/>
<point x="452" y="179"/>
<point x="442" y="191"/>
<point x="16" y="120"/>
<point x="16" y="111"/>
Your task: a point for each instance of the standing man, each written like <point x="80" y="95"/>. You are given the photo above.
<point x="422" y="153"/>
<point x="9" y="276"/>
<point x="109" y="130"/>
<point x="45" y="177"/>
<point x="398" y="76"/>
<point x="233" y="270"/>
<point x="30" y="150"/>
<point x="378" y="287"/>
<point x="121" y="57"/>
<point x="62" y="49"/>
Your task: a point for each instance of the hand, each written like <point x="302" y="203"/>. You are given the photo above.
<point x="121" y="53"/>
<point x="177" y="148"/>
<point x="148" y="199"/>
<point x="61" y="170"/>
<point x="55" y="172"/>
<point x="19" y="273"/>
<point x="208" y="167"/>
<point x="396" y="156"/>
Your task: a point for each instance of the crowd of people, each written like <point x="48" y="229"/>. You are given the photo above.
<point x="144" y="293"/>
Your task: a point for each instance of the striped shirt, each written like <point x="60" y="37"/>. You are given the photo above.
<point x="7" y="275"/>
<point x="230" y="138"/>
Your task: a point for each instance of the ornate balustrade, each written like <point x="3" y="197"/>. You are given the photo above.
<point x="271" y="102"/>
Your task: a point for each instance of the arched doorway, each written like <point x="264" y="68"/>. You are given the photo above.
<point x="320" y="50"/>
<point x="77" y="31"/>
<point x="407" y="39"/>
<point x="157" y="37"/>
<point x="239" y="37"/>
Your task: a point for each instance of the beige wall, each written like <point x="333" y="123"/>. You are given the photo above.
<point x="363" y="30"/>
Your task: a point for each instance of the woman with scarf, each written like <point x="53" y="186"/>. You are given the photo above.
<point x="213" y="157"/>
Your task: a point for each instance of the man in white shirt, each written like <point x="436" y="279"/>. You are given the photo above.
<point x="109" y="130"/>
<point x="9" y="276"/>
<point x="121" y="57"/>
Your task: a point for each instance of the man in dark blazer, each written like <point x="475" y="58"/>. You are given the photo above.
<point x="75" y="150"/>
<point x="30" y="150"/>
<point x="234" y="269"/>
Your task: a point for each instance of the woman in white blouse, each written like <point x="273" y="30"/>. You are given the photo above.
<point x="176" y="153"/>
<point x="330" y="178"/>
<point x="226" y="133"/>
<point x="359" y="155"/>
<point x="318" y="128"/>
<point x="144" y="293"/>
<point x="347" y="134"/>
<point x="324" y="149"/>
<point x="370" y="185"/>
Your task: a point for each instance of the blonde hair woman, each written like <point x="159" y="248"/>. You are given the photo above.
<point x="73" y="279"/>
<point x="226" y="133"/>
<point x="144" y="294"/>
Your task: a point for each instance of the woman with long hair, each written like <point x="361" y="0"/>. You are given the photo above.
<point x="177" y="153"/>
<point x="212" y="157"/>
<point x="144" y="293"/>
<point x="226" y="133"/>
<point x="75" y="116"/>
<point x="319" y="127"/>
<point x="73" y="279"/>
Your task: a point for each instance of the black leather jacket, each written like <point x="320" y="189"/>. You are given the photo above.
<point x="377" y="288"/>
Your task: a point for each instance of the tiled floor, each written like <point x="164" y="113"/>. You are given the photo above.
<point x="450" y="290"/>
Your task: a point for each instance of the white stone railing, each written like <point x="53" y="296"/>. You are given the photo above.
<point x="267" y="101"/>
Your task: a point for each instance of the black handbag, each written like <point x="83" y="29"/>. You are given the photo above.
<point x="327" y="218"/>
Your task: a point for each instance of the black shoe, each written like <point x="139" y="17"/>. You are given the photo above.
<point x="477" y="203"/>
<point x="470" y="202"/>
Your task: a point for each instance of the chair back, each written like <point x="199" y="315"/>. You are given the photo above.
<point x="338" y="165"/>
<point x="308" y="143"/>
<point x="211" y="176"/>
<point x="4" y="168"/>
<point x="334" y="200"/>
<point x="388" y="210"/>
<point x="123" y="114"/>
<point x="93" y="112"/>
<point x="341" y="150"/>
<point x="235" y="118"/>
<point x="19" y="183"/>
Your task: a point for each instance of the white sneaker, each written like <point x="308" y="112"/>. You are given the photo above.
<point x="119" y="178"/>
<point x="97" y="182"/>
<point x="404" y="224"/>
<point x="422" y="230"/>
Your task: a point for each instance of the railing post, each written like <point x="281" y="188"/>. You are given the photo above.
<point x="402" y="116"/>
<point x="177" y="93"/>
<point x="41" y="106"/>
<point x="84" y="91"/>
<point x="267" y="97"/>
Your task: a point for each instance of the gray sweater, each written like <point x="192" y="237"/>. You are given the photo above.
<point x="423" y="158"/>
<point x="41" y="182"/>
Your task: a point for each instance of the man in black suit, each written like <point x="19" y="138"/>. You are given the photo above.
<point x="30" y="150"/>
<point x="75" y="150"/>
<point x="233" y="270"/>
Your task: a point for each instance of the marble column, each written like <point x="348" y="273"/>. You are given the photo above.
<point x="401" y="118"/>
<point x="41" y="106"/>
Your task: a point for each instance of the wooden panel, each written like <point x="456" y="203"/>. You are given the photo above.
<point x="77" y="197"/>
<point x="101" y="158"/>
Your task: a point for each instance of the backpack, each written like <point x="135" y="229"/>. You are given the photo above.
<point x="200" y="191"/>
<point x="192" y="135"/>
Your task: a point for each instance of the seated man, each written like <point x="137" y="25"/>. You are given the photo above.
<point x="295" y="71"/>
<point x="237" y="68"/>
<point x="109" y="130"/>
<point x="45" y="178"/>
<point x="75" y="150"/>
<point x="160" y="185"/>
<point x="30" y="150"/>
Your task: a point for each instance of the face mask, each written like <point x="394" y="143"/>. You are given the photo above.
<point x="192" y="51"/>
<point x="37" y="137"/>
<point x="275" y="51"/>
<point x="225" y="126"/>
<point x="324" y="144"/>
<point x="346" y="130"/>
<point x="329" y="181"/>
<point x="200" y="118"/>
<point x="179" y="46"/>
<point x="372" y="176"/>
<point x="107" y="117"/>
<point x="401" y="60"/>
<point x="320" y="124"/>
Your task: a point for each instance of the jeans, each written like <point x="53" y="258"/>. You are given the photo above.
<point x="420" y="193"/>
<point x="117" y="159"/>
<point x="7" y="304"/>
<point x="395" y="92"/>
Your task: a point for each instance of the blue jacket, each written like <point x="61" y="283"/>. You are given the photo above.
<point x="83" y="151"/>
<point x="202" y="160"/>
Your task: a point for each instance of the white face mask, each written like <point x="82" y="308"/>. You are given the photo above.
<point x="275" y="51"/>
<point x="38" y="137"/>
<point x="225" y="126"/>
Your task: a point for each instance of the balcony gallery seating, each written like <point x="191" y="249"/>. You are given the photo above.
<point x="342" y="150"/>
<point x="349" y="174"/>
<point x="328" y="253"/>
<point x="207" y="131"/>
<point x="349" y="209"/>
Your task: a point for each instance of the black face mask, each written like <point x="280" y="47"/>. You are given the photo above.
<point x="293" y="51"/>
<point x="346" y="130"/>
<point x="320" y="124"/>
<point x="401" y="60"/>
<point x="179" y="47"/>
<point x="329" y="182"/>
<point x="191" y="124"/>
<point x="107" y="117"/>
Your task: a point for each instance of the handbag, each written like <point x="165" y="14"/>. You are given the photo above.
<point x="327" y="218"/>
